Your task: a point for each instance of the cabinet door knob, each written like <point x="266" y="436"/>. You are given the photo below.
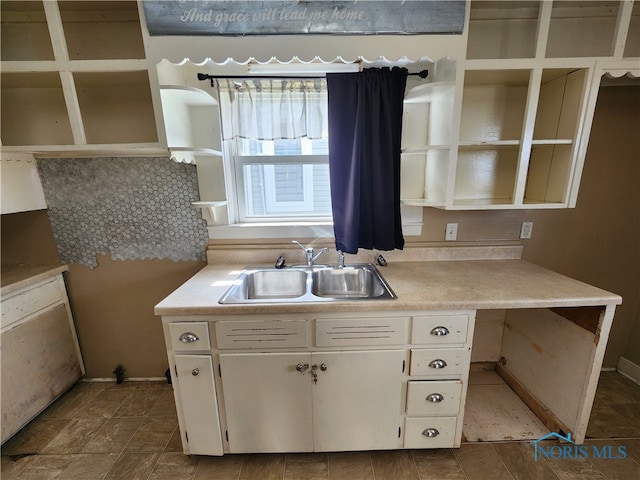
<point x="431" y="433"/>
<point x="302" y="367"/>
<point x="195" y="372"/>
<point x="434" y="398"/>
<point x="437" y="363"/>
<point x="188" y="337"/>
<point x="440" y="331"/>
<point x="323" y="367"/>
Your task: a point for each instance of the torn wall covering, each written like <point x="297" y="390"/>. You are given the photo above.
<point x="130" y="208"/>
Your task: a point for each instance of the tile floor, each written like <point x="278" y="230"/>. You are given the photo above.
<point x="129" y="432"/>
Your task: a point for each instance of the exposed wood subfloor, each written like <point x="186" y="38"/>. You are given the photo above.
<point x="129" y="432"/>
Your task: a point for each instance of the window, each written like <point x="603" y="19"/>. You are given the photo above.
<point x="275" y="135"/>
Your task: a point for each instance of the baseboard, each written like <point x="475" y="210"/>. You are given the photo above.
<point x="132" y="379"/>
<point x="629" y="369"/>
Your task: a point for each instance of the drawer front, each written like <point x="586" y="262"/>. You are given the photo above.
<point x="434" y="398"/>
<point x="440" y="362"/>
<point x="332" y="332"/>
<point x="189" y="336"/>
<point x="430" y="432"/>
<point x="440" y="330"/>
<point x="30" y="301"/>
<point x="262" y="334"/>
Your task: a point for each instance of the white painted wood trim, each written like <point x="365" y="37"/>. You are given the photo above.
<point x="73" y="108"/>
<point x="623" y="24"/>
<point x="629" y="369"/>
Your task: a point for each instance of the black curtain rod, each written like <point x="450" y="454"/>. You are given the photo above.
<point x="205" y="76"/>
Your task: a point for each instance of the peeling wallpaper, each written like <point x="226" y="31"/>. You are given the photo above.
<point x="130" y="208"/>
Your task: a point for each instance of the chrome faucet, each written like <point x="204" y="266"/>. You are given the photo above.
<point x="310" y="254"/>
<point x="341" y="258"/>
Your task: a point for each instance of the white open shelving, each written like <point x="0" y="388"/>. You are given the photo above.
<point x="75" y="78"/>
<point x="505" y="125"/>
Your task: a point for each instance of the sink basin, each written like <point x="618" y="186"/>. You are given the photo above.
<point x="348" y="282"/>
<point x="268" y="284"/>
<point x="320" y="283"/>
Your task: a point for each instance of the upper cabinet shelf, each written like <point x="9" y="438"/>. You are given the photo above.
<point x="102" y="30"/>
<point x="25" y="32"/>
<point x="75" y="78"/>
<point x="553" y="29"/>
<point x="502" y="29"/>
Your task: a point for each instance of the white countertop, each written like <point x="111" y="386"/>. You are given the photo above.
<point x="419" y="285"/>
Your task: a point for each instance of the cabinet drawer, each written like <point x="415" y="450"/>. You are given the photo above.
<point x="30" y="301"/>
<point x="189" y="336"/>
<point x="437" y="398"/>
<point x="332" y="332"/>
<point x="262" y="334"/>
<point x="440" y="362"/>
<point x="439" y="329"/>
<point x="429" y="432"/>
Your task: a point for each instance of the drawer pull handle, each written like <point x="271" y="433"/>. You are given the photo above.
<point x="440" y="331"/>
<point x="195" y="372"/>
<point x="189" y="337"/>
<point x="434" y="398"/>
<point x="431" y="433"/>
<point x="437" y="363"/>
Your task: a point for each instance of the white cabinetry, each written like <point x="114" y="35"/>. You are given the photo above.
<point x="197" y="391"/>
<point x="320" y="401"/>
<point x="194" y="387"/>
<point x="40" y="354"/>
<point x="515" y="128"/>
<point x="75" y="78"/>
<point x="298" y="383"/>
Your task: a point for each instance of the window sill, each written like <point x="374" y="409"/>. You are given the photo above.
<point x="271" y="230"/>
<point x="287" y="230"/>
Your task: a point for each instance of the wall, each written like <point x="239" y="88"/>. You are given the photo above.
<point x="113" y="303"/>
<point x="598" y="242"/>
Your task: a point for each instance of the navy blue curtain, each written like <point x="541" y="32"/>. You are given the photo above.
<point x="365" y="126"/>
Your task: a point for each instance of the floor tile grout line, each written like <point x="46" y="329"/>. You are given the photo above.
<point x="501" y="460"/>
<point x="453" y="451"/>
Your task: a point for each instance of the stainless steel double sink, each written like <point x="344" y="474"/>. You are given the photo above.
<point x="317" y="283"/>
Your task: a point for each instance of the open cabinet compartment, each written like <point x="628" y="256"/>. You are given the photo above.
<point x="546" y="376"/>
<point x="25" y="33"/>
<point x="105" y="97"/>
<point x="35" y="104"/>
<point x="426" y="143"/>
<point x="192" y="119"/>
<point x="557" y="125"/>
<point x="486" y="176"/>
<point x="102" y="30"/>
<point x="505" y="29"/>
<point x="582" y="28"/>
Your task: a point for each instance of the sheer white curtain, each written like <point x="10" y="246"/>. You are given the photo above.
<point x="269" y="109"/>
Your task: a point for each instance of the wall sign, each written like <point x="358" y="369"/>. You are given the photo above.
<point x="233" y="17"/>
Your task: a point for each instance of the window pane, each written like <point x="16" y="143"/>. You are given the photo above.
<point x="287" y="190"/>
<point x="282" y="146"/>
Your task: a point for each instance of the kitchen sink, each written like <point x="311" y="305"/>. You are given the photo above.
<point x="347" y="282"/>
<point x="318" y="283"/>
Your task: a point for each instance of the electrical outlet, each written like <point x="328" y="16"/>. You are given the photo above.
<point x="452" y="231"/>
<point x="525" y="231"/>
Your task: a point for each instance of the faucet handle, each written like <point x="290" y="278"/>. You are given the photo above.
<point x="341" y="258"/>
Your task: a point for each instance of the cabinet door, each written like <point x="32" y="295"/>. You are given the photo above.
<point x="197" y="395"/>
<point x="357" y="400"/>
<point x="267" y="402"/>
